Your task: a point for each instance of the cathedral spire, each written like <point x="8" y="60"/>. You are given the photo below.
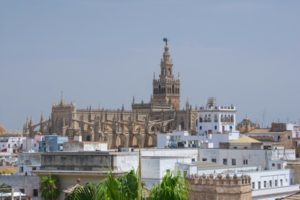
<point x="61" y="98"/>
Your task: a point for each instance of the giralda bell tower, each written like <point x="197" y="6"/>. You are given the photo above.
<point x="166" y="89"/>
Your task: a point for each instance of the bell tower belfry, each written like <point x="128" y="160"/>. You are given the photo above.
<point x="166" y="89"/>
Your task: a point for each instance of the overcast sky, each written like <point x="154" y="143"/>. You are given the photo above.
<point x="102" y="53"/>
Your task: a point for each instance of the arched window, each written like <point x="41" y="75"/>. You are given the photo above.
<point x="173" y="91"/>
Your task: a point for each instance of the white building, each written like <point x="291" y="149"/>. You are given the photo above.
<point x="184" y="139"/>
<point x="262" y="158"/>
<point x="157" y="162"/>
<point x="11" y="144"/>
<point x="216" y="119"/>
<point x="32" y="144"/>
<point x="295" y="128"/>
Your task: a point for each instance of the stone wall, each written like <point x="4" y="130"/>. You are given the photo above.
<point x="219" y="187"/>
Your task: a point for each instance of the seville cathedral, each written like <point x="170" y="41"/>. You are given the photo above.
<point x="123" y="128"/>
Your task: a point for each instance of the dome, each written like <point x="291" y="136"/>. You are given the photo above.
<point x="2" y="130"/>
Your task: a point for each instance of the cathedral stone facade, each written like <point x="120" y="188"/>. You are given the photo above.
<point x="122" y="128"/>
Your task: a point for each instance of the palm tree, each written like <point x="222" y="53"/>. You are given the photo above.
<point x="112" y="188"/>
<point x="129" y="186"/>
<point x="171" y="188"/>
<point x="49" y="187"/>
<point x="88" y="192"/>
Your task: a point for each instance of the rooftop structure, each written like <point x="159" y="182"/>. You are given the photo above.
<point x="216" y="119"/>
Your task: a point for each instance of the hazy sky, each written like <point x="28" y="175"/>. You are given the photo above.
<point x="102" y="53"/>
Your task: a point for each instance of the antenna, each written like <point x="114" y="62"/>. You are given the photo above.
<point x="263" y="118"/>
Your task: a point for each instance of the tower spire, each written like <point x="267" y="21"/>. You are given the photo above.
<point x="61" y="98"/>
<point x="166" y="89"/>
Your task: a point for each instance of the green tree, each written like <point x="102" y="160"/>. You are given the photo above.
<point x="171" y="188"/>
<point x="49" y="187"/>
<point x="112" y="188"/>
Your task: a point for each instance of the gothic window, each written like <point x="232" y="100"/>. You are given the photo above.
<point x="170" y="71"/>
<point x="173" y="91"/>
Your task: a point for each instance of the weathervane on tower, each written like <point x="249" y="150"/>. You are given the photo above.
<point x="166" y="41"/>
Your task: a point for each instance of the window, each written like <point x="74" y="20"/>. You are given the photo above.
<point x="278" y="166"/>
<point x="216" y="127"/>
<point x="200" y="127"/>
<point x="233" y="161"/>
<point x="168" y="170"/>
<point x="33" y="168"/>
<point x="259" y="185"/>
<point x="214" y="160"/>
<point x="253" y="185"/>
<point x="265" y="184"/>
<point x="204" y="159"/>
<point x="270" y="183"/>
<point x="21" y="169"/>
<point x="281" y="182"/>
<point x="35" y="193"/>
<point x="245" y="162"/>
<point x="289" y="137"/>
<point x="276" y="183"/>
<point x="273" y="164"/>
<point x="224" y="161"/>
<point x="193" y="159"/>
<point x="22" y="190"/>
